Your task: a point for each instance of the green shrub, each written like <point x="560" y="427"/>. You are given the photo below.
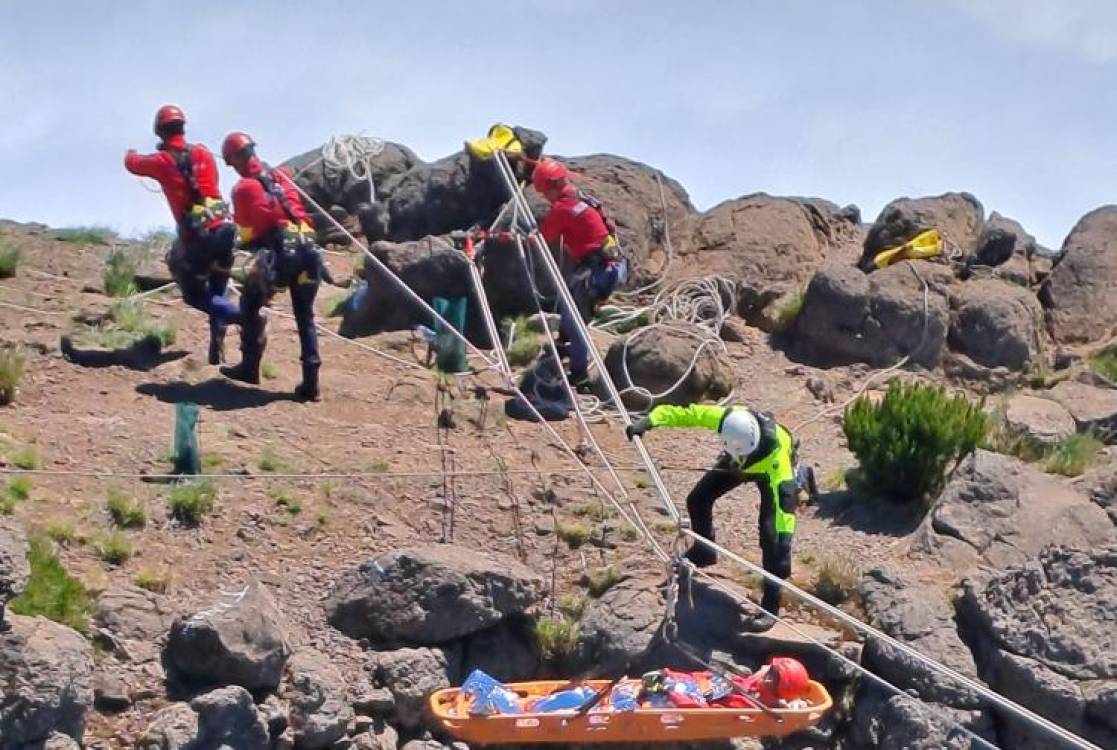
<point x="126" y="512"/>
<point x="7" y="504"/>
<point x="19" y="487"/>
<point x="87" y="235"/>
<point x="26" y="458"/>
<point x="1105" y="364"/>
<point x="335" y="305"/>
<point x="10" y="254"/>
<point x="284" y="499"/>
<point x="51" y="591"/>
<point x="556" y="637"/>
<point x="212" y="461"/>
<point x="269" y="461"/>
<point x="11" y="371"/>
<point x="630" y="534"/>
<point x="113" y="547"/>
<point x="1074" y="454"/>
<point x="60" y="531"/>
<point x="905" y="443"/>
<point x="595" y="510"/>
<point x="525" y="343"/>
<point x="191" y="501"/>
<point x="789" y="311"/>
<point x="379" y="466"/>
<point x="119" y="276"/>
<point x="603" y="580"/>
<point x="836" y="579"/>
<point x="267" y="371"/>
<point x="572" y="606"/>
<point x="575" y="534"/>
<point x="152" y="579"/>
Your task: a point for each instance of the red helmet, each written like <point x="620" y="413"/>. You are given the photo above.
<point x="235" y="143"/>
<point x="168" y="114"/>
<point x="548" y="173"/>
<point x="793" y="677"/>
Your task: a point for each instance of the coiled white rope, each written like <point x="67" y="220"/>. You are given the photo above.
<point x="352" y="155"/>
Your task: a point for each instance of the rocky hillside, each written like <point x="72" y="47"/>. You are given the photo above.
<point x="328" y="575"/>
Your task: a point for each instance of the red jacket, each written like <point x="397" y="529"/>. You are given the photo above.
<point x="577" y="223"/>
<point x="257" y="212"/>
<point x="161" y="166"/>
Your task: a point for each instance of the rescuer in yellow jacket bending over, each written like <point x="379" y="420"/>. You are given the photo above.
<point x="757" y="449"/>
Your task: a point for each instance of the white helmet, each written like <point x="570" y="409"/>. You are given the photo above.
<point x="740" y="433"/>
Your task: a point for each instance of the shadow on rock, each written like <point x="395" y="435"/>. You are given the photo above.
<point x="218" y="394"/>
<point x="871" y="516"/>
<point x="143" y="355"/>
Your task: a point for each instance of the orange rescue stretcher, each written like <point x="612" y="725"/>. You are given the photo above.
<point x="450" y="707"/>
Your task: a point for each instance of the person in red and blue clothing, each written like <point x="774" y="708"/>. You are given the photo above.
<point x="272" y="222"/>
<point x="578" y="223"/>
<point x="201" y="258"/>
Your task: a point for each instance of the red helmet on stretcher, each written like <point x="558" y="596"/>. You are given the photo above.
<point x="793" y="677"/>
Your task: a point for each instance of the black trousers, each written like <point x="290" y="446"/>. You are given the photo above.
<point x="297" y="271"/>
<point x="775" y="548"/>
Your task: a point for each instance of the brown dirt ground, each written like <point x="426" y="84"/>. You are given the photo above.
<point x="378" y="418"/>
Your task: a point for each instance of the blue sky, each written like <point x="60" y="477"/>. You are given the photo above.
<point x="858" y="102"/>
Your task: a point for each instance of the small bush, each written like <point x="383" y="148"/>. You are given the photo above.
<point x="26" y="458"/>
<point x="1105" y="364"/>
<point x="212" y="461"/>
<point x="126" y="512"/>
<point x="836" y="480"/>
<point x="19" y="487"/>
<point x="113" y="547"/>
<point x="789" y="311"/>
<point x="51" y="591"/>
<point x="269" y="461"/>
<point x="575" y="534"/>
<point x="595" y="510"/>
<point x="61" y="532"/>
<point x="379" y="466"/>
<point x="525" y="345"/>
<point x="603" y="580"/>
<point x="836" y="579"/>
<point x="556" y="637"/>
<point x="905" y="442"/>
<point x="284" y="499"/>
<point x="10" y="255"/>
<point x="12" y="362"/>
<point x="335" y="306"/>
<point x="572" y="606"/>
<point x="267" y="371"/>
<point x="630" y="534"/>
<point x="7" y="504"/>
<point x="153" y="579"/>
<point x="88" y="235"/>
<point x="1073" y="455"/>
<point x="191" y="501"/>
<point x="119" y="276"/>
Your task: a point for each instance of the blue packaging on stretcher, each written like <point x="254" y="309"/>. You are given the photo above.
<point x="566" y="700"/>
<point x="625" y="696"/>
<point x="489" y="695"/>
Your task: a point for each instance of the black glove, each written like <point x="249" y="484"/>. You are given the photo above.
<point x="639" y="427"/>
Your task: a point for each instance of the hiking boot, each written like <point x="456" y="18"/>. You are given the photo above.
<point x="217" y="346"/>
<point x="581" y="383"/>
<point x="245" y="372"/>
<point x="760" y="622"/>
<point x="308" y="389"/>
<point x="701" y="555"/>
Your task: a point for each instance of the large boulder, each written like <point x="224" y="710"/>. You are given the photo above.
<point x="223" y="718"/>
<point x="646" y="205"/>
<point x="883" y="721"/>
<point x="1042" y="421"/>
<point x="14" y="568"/>
<point x="431" y="595"/>
<point x="46" y="671"/>
<point x="332" y="184"/>
<point x="919" y="616"/>
<point x="670" y="364"/>
<point x="1081" y="293"/>
<point x="1094" y="409"/>
<point x="411" y="674"/>
<point x="1002" y="238"/>
<point x="850" y="317"/>
<point x="1101" y="487"/>
<point x="507" y="651"/>
<point x="316" y="692"/>
<point x="1045" y="635"/>
<point x="997" y="325"/>
<point x="239" y="642"/>
<point x="455" y="192"/>
<point x="768" y="246"/>
<point x="959" y="217"/>
<point x="134" y="621"/>
<point x="619" y="628"/>
<point x="998" y="511"/>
